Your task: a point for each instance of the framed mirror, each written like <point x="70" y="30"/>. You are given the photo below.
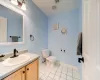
<point x="11" y="26"/>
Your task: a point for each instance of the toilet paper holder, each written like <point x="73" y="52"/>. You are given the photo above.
<point x="81" y="60"/>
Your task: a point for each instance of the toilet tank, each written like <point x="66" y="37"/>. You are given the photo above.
<point x="46" y="53"/>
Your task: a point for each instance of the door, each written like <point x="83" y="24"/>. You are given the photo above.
<point x="11" y="77"/>
<point x="3" y="29"/>
<point x="91" y="40"/>
<point x="20" y="74"/>
<point x="32" y="71"/>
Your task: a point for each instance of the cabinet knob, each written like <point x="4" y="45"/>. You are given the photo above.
<point x="27" y="68"/>
<point x="23" y="71"/>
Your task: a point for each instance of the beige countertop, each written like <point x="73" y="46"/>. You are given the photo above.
<point x="7" y="70"/>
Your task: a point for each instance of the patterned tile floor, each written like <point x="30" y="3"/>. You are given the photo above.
<point x="61" y="72"/>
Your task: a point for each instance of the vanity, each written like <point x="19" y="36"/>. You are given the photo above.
<point x="27" y="70"/>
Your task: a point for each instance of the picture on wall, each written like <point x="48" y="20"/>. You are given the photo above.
<point x="56" y="26"/>
<point x="64" y="31"/>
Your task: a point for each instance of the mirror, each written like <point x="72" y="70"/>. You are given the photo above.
<point x="11" y="25"/>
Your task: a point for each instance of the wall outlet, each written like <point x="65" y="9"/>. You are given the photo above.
<point x="61" y="50"/>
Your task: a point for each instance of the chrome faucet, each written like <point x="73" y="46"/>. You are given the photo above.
<point x="14" y="53"/>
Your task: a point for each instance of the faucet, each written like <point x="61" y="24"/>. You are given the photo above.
<point x="14" y="53"/>
<point x="1" y="56"/>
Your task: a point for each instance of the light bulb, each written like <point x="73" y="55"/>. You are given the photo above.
<point x="23" y="6"/>
<point x="14" y="2"/>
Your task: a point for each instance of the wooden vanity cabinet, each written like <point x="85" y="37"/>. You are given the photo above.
<point x="29" y="72"/>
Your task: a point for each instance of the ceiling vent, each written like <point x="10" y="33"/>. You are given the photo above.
<point x="56" y="1"/>
<point x="54" y="7"/>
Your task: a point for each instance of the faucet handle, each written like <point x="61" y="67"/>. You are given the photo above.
<point x="17" y="51"/>
<point x="2" y="56"/>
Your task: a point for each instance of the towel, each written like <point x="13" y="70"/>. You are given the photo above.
<point x="14" y="38"/>
<point x="79" y="47"/>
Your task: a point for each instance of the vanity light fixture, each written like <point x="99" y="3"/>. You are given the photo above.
<point x="23" y="7"/>
<point x="19" y="3"/>
<point x="15" y="2"/>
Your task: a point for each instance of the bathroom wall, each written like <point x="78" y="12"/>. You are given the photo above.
<point x="80" y="30"/>
<point x="80" y="15"/>
<point x="35" y="23"/>
<point x="68" y="42"/>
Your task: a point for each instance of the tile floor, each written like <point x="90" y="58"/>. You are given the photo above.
<point x="61" y="72"/>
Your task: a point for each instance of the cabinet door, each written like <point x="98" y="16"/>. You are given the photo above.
<point x="11" y="77"/>
<point x="20" y="74"/>
<point x="32" y="71"/>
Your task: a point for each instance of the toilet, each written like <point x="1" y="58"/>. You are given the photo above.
<point x="50" y="60"/>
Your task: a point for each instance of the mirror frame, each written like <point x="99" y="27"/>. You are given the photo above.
<point x="17" y="10"/>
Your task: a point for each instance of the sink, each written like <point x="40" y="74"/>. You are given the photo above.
<point x="16" y="61"/>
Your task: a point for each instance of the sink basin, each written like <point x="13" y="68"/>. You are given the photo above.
<point x="17" y="60"/>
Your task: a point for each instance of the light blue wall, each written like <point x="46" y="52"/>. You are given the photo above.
<point x="35" y="23"/>
<point x="80" y="15"/>
<point x="80" y="30"/>
<point x="57" y="41"/>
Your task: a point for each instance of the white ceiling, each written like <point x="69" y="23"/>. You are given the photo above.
<point x="63" y="5"/>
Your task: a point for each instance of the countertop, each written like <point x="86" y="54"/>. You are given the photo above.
<point x="7" y="70"/>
